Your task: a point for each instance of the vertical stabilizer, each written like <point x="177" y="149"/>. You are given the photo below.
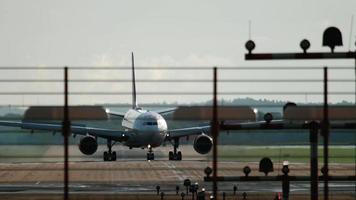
<point x="134" y="101"/>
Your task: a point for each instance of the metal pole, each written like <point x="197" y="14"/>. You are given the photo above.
<point x="325" y="170"/>
<point x="355" y="105"/>
<point x="215" y="132"/>
<point x="66" y="131"/>
<point x="285" y="186"/>
<point x="313" y="139"/>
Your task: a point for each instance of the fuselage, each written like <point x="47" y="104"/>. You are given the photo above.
<point x="147" y="128"/>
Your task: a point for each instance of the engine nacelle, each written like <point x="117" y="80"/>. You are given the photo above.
<point x="88" y="145"/>
<point x="203" y="144"/>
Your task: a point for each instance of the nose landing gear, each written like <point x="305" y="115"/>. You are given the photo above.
<point x="150" y="154"/>
<point x="175" y="155"/>
<point x="110" y="155"/>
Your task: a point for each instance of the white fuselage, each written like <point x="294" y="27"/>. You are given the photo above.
<point x="147" y="128"/>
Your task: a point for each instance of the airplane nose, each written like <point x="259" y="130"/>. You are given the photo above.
<point x="153" y="138"/>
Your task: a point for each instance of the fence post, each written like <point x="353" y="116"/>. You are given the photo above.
<point x="313" y="139"/>
<point x="325" y="132"/>
<point x="215" y="132"/>
<point x="66" y="132"/>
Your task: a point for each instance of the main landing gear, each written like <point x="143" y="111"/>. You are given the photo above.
<point x="175" y="155"/>
<point x="110" y="155"/>
<point x="150" y="154"/>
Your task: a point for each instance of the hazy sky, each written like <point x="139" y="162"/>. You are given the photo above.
<point x="166" y="33"/>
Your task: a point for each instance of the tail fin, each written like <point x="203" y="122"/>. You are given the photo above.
<point x="134" y="101"/>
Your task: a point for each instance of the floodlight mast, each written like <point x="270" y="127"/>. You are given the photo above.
<point x="332" y="37"/>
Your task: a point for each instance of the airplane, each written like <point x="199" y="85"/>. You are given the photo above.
<point x="143" y="129"/>
<point x="148" y="129"/>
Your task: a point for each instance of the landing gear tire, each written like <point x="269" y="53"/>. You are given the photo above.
<point x="106" y="157"/>
<point x="179" y="155"/>
<point x="150" y="156"/>
<point x="175" y="156"/>
<point x="170" y="155"/>
<point x="110" y="156"/>
<point x="113" y="155"/>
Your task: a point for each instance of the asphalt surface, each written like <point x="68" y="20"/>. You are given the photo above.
<point x="263" y="187"/>
<point x="132" y="174"/>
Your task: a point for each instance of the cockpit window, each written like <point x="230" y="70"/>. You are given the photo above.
<point x="150" y="123"/>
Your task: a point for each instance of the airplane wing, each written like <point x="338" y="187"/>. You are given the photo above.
<point x="166" y="111"/>
<point x="182" y="132"/>
<point x="259" y="125"/>
<point x="116" y="114"/>
<point x="161" y="112"/>
<point x="75" y="129"/>
<point x="282" y="124"/>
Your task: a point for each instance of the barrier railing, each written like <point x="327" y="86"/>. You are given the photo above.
<point x="190" y="84"/>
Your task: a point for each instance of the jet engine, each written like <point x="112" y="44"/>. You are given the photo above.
<point x="203" y="144"/>
<point x="88" y="145"/>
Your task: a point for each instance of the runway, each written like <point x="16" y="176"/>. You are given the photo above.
<point x="133" y="175"/>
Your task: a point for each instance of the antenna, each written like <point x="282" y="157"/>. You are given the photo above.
<point x="249" y="29"/>
<point x="351" y="27"/>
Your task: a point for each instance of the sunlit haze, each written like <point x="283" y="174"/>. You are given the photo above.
<point x="165" y="34"/>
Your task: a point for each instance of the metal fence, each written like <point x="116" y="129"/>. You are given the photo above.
<point x="266" y="89"/>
